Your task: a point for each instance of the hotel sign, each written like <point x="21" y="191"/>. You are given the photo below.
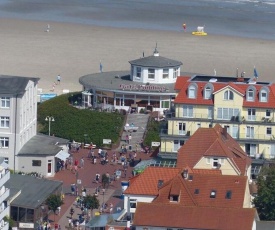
<point x="143" y="87"/>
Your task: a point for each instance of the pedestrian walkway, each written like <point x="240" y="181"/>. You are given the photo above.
<point x="86" y="176"/>
<point x="137" y="120"/>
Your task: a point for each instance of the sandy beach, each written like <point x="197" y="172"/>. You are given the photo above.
<point x="74" y="50"/>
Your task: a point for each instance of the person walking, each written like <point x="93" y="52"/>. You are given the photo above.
<point x="130" y="138"/>
<point x="184" y="27"/>
<point x="82" y="163"/>
<point x="58" y="78"/>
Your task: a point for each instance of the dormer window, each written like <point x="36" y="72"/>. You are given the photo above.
<point x="213" y="194"/>
<point x="174" y="198"/>
<point x="250" y="94"/>
<point x="264" y="95"/>
<point x="207" y="93"/>
<point x="228" y="95"/>
<point x="192" y="91"/>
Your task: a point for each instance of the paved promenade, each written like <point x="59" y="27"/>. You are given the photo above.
<point x="87" y="176"/>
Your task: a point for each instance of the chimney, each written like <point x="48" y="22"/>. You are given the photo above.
<point x="224" y="131"/>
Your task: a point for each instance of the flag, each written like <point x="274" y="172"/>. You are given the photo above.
<point x="255" y="72"/>
<point x="100" y="67"/>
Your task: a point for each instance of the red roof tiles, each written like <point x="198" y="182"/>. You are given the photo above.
<point x="183" y="83"/>
<point x="146" y="183"/>
<point x="196" y="188"/>
<point x="213" y="142"/>
<point x="175" y="216"/>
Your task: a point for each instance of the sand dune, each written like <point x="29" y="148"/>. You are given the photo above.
<point x="73" y="50"/>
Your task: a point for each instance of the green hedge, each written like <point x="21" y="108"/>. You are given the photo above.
<point x="72" y="123"/>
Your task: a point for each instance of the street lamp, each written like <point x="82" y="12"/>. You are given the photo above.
<point x="50" y="119"/>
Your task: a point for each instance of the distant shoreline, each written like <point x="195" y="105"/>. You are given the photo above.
<point x="74" y="50"/>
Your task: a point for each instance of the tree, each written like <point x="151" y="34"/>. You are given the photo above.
<point x="54" y="201"/>
<point x="265" y="200"/>
<point x="91" y="202"/>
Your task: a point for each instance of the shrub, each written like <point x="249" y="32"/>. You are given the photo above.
<point x="81" y="125"/>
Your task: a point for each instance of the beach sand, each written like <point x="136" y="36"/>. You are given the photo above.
<point x="74" y="50"/>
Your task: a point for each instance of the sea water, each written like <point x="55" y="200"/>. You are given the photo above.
<point x="243" y="18"/>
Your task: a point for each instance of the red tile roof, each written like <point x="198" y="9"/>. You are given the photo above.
<point x="204" y="184"/>
<point x="175" y="216"/>
<point x="213" y="142"/>
<point x="146" y="183"/>
<point x="183" y="83"/>
<point x="180" y="82"/>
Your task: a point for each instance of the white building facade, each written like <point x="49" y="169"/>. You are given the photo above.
<point x="18" y="115"/>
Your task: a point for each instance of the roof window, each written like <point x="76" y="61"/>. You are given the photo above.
<point x="228" y="195"/>
<point x="213" y="194"/>
<point x="197" y="191"/>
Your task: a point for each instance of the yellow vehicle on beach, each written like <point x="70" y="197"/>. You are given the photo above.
<point x="200" y="31"/>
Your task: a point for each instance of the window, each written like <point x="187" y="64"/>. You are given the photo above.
<point x="207" y="92"/>
<point x="268" y="131"/>
<point x="4" y="122"/>
<point x="165" y="104"/>
<point x="210" y="112"/>
<point x="268" y="113"/>
<point x="187" y="111"/>
<point x="235" y="131"/>
<point x="6" y="160"/>
<point x="213" y="194"/>
<point x="182" y="128"/>
<point x="192" y="91"/>
<point x="4" y="142"/>
<point x="228" y="194"/>
<point x="174" y="198"/>
<point x="263" y="95"/>
<point x="165" y="74"/>
<point x="197" y="191"/>
<point x="5" y="102"/>
<point x="251" y="114"/>
<point x="227" y="113"/>
<point x="228" y="95"/>
<point x="133" y="203"/>
<point x="175" y="73"/>
<point x="249" y="131"/>
<point x="151" y="74"/>
<point x="138" y="75"/>
<point x="36" y="163"/>
<point x="215" y="163"/>
<point x="251" y="149"/>
<point x="250" y="95"/>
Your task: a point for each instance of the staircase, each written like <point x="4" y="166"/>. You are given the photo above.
<point x="140" y="121"/>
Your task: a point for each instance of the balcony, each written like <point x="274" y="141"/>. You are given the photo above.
<point x="5" y="226"/>
<point x="4" y="212"/>
<point x="5" y="195"/>
<point x="204" y="117"/>
<point x="175" y="134"/>
<point x="4" y="176"/>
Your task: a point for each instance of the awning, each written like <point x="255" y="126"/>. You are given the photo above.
<point x="62" y="155"/>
